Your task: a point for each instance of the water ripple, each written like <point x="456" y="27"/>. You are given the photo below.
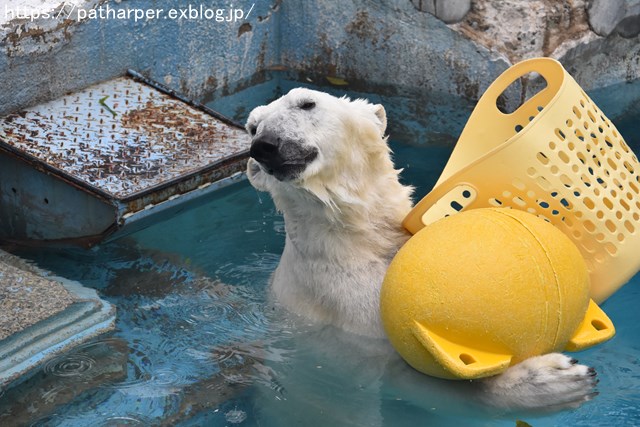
<point x="47" y="421"/>
<point x="208" y="311"/>
<point x="123" y="421"/>
<point x="50" y="395"/>
<point x="109" y="421"/>
<point x="70" y="365"/>
<point x="235" y="416"/>
<point x="113" y="364"/>
<point x="154" y="371"/>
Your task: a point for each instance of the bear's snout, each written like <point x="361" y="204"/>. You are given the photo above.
<point x="266" y="150"/>
<point x="283" y="158"/>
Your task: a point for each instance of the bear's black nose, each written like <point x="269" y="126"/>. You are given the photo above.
<point x="266" y="150"/>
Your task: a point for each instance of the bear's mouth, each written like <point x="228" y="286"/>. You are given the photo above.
<point x="284" y="160"/>
<point x="291" y="169"/>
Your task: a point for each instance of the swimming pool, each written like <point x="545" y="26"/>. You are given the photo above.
<point x="198" y="342"/>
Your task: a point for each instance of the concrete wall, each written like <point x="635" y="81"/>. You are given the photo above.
<point x="384" y="42"/>
<point x="393" y="42"/>
<point x="46" y="58"/>
<point x="567" y="30"/>
<point x="377" y="45"/>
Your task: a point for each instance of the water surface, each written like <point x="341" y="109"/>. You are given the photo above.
<point x="199" y="343"/>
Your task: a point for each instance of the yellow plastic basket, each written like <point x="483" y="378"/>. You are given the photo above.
<point x="557" y="156"/>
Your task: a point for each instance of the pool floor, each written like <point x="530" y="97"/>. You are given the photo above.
<point x="199" y="343"/>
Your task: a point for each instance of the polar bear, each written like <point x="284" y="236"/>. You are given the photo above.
<point x="326" y="164"/>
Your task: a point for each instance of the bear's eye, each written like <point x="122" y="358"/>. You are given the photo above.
<point x="253" y="130"/>
<point x="307" y="105"/>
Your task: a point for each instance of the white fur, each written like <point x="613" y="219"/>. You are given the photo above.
<point x="337" y="247"/>
<point x="343" y="226"/>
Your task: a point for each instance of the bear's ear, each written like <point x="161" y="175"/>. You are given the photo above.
<point x="381" y="114"/>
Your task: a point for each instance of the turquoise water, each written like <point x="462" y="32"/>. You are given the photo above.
<point x="198" y="343"/>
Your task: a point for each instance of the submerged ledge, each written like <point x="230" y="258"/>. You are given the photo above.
<point x="43" y="317"/>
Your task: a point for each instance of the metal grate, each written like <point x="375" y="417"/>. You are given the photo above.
<point x="121" y="137"/>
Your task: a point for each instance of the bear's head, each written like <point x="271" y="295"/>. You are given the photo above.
<point x="314" y="141"/>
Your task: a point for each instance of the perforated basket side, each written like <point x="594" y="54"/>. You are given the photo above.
<point x="569" y="166"/>
<point x="592" y="184"/>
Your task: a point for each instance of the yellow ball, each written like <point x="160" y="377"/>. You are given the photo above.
<point x="476" y="292"/>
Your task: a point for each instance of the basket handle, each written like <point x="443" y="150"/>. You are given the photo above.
<point x="441" y="202"/>
<point x="488" y="127"/>
<point x="550" y="69"/>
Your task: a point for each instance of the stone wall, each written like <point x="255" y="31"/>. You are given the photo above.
<point x="596" y="40"/>
<point x="453" y="47"/>
<point x="384" y="42"/>
<point x="408" y="42"/>
<point x="47" y="57"/>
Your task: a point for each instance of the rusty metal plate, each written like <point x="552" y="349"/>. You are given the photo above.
<point x="121" y="137"/>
